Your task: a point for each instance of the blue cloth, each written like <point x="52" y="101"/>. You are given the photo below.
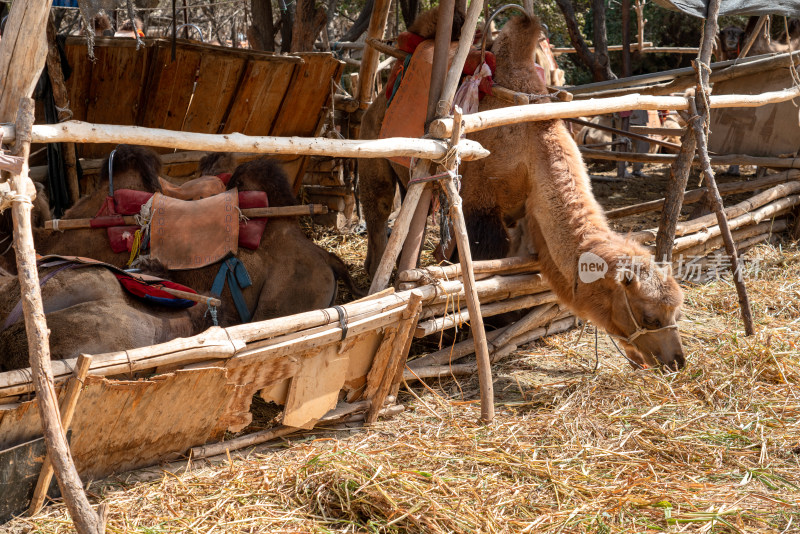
<point x="235" y="274"/>
<point x="65" y="3"/>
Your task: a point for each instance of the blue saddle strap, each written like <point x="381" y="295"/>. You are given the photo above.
<point x="235" y="274"/>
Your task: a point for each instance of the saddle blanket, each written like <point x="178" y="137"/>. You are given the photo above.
<point x="192" y="234"/>
<point x="143" y="286"/>
<point x="405" y="117"/>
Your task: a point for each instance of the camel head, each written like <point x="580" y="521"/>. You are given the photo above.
<point x="515" y="52"/>
<point x="133" y="167"/>
<point x="638" y="302"/>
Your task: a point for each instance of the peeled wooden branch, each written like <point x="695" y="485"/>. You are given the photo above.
<point x="665" y="159"/>
<point x="695" y="195"/>
<point x="463" y="316"/>
<point x="688" y="227"/>
<point x="483" y="120"/>
<point x="67" y="409"/>
<point x="740" y="236"/>
<point x="449" y="272"/>
<point x="250" y="213"/>
<point x="536" y="317"/>
<point x="84" y="132"/>
<point x="435" y="371"/>
<point x="770" y="210"/>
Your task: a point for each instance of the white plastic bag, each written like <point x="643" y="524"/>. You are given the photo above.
<point x="467" y="95"/>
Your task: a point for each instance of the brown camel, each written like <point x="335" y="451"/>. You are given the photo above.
<point x="547" y="181"/>
<point x="290" y="273"/>
<point x="82" y="302"/>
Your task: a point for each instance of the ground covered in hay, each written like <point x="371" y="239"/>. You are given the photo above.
<point x="713" y="448"/>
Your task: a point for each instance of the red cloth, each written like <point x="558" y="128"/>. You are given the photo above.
<point x="408" y="42"/>
<point x="225" y="177"/>
<point x="130" y="201"/>
<point x="121" y="238"/>
<point x="250" y="231"/>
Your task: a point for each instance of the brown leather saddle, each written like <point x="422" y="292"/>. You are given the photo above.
<point x="192" y="234"/>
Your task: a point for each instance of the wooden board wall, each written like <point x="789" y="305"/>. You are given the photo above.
<point x="245" y="91"/>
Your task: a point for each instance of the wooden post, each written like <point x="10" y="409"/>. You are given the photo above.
<point x="370" y="57"/>
<point x="441" y="51"/>
<point x="716" y="202"/>
<point x="753" y="36"/>
<point x="622" y="166"/>
<point x="397" y="358"/>
<point x="86" y="521"/>
<point x="416" y="231"/>
<point x="679" y="173"/>
<point x="62" y="104"/>
<point x="673" y="200"/>
<point x="473" y="304"/>
<point x="457" y="65"/>
<point x="70" y="401"/>
<point x="22" y="54"/>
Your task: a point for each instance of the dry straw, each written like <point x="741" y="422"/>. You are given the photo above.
<point x="714" y="448"/>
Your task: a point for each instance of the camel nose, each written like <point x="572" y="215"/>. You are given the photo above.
<point x="677" y="362"/>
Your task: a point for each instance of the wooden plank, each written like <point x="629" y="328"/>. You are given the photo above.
<point x="118" y="81"/>
<point x="122" y="425"/>
<point x="314" y="390"/>
<point x="260" y="96"/>
<point x="360" y="352"/>
<point x="80" y="80"/>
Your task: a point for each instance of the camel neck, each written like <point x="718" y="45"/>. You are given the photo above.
<point x="570" y="218"/>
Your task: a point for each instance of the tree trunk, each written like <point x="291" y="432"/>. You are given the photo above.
<point x="596" y="61"/>
<point x="262" y="31"/>
<point x="308" y="21"/>
<point x="287" y="22"/>
<point x="409" y="9"/>
<point x="361" y="24"/>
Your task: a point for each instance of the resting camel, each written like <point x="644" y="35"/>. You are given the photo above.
<point x="546" y="181"/>
<point x="81" y="303"/>
<point x="290" y="273"/>
<point x="730" y="40"/>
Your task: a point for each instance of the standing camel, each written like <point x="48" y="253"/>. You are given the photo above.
<point x="544" y="178"/>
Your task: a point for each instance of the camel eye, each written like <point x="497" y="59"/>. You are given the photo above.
<point x="650" y="322"/>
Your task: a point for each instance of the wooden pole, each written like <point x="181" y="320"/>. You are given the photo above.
<point x="85" y="519"/>
<point x="483" y="120"/>
<point x="416" y="231"/>
<point x="457" y="65"/>
<point x="84" y="132"/>
<point x="673" y="200"/>
<point x="679" y="174"/>
<point x="473" y="304"/>
<point x="401" y="226"/>
<point x="71" y="395"/>
<point x="370" y="56"/>
<point x="727" y="159"/>
<point x="441" y="53"/>
<point x="722" y="220"/>
<point x="753" y="36"/>
<point x="61" y="98"/>
<point x="622" y="165"/>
